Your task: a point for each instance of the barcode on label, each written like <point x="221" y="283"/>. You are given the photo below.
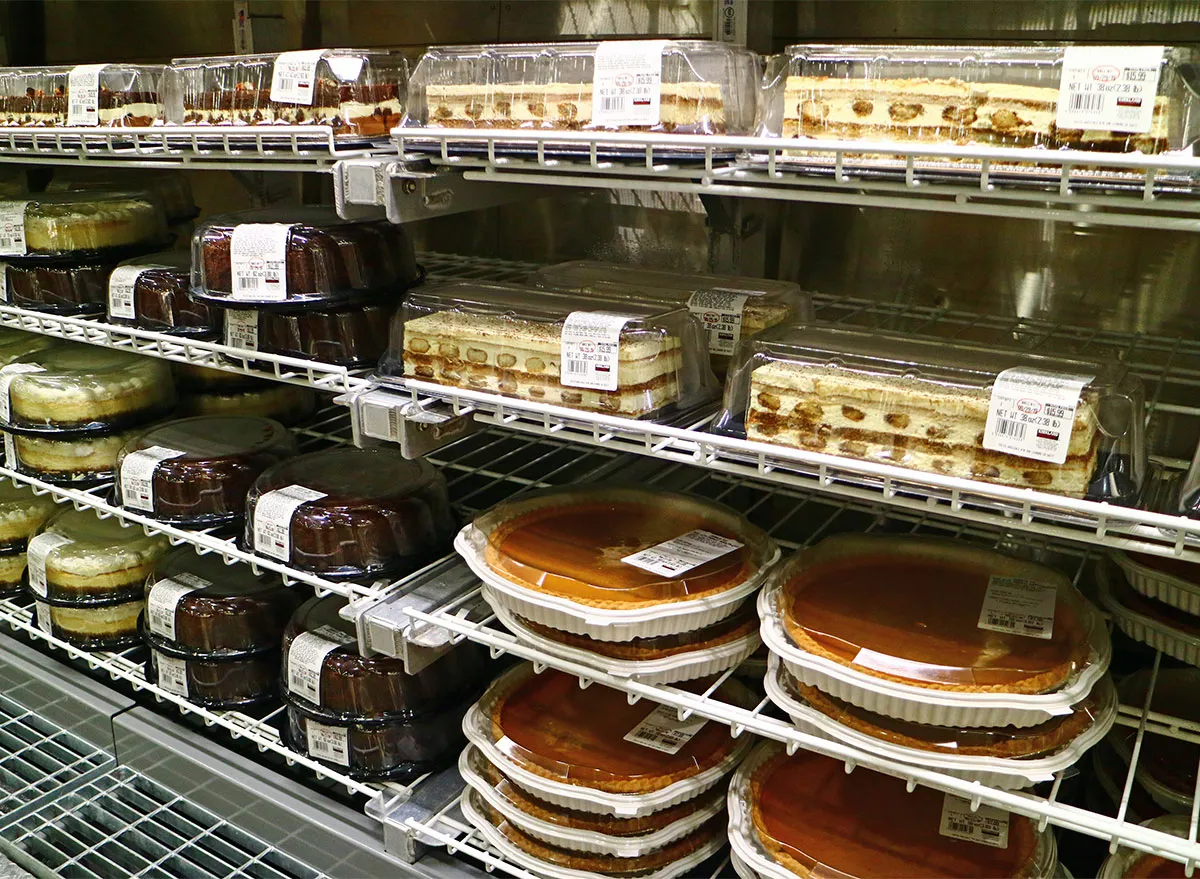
<point x="958" y="828"/>
<point x="245" y="283"/>
<point x="1013" y="429"/>
<point x="1086" y="101"/>
<point x="577" y="368"/>
<point x="994" y="620"/>
<point x="612" y="105"/>
<point x="287" y="82"/>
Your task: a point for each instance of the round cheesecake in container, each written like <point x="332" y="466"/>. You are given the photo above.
<point x="15" y="344"/>
<point x="368" y="714"/>
<point x="287" y="404"/>
<point x="22" y="514"/>
<point x="153" y="293"/>
<point x="89" y="225"/>
<point x="78" y="461"/>
<point x="196" y="471"/>
<point x="82" y="389"/>
<point x="350" y="513"/>
<point x="214" y="630"/>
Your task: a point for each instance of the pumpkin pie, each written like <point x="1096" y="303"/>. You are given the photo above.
<point x="1130" y="864"/>
<point x="577" y="545"/>
<point x="816" y="820"/>
<point x="552" y="728"/>
<point x="907" y="609"/>
<point x="1166" y="765"/>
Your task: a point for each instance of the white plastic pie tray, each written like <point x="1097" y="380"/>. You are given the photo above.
<point x="997" y="772"/>
<point x="587" y="841"/>
<point x="668" y="618"/>
<point x="472" y="811"/>
<point x="927" y="705"/>
<point x="1159" y="585"/>
<point x="668" y="670"/>
<point x="1154" y="633"/>
<point x="741" y="867"/>
<point x="477" y="726"/>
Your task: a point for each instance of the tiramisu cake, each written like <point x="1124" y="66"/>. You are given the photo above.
<point x="354" y="91"/>
<point x="125" y="96"/>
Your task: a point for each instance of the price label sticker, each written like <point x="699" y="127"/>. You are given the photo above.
<point x="327" y="742"/>
<point x="627" y="83"/>
<point x="720" y="311"/>
<point x="258" y="261"/>
<point x="987" y="825"/>
<point x="164" y="598"/>
<point x="677" y="556"/>
<point x="306" y="657"/>
<point x="273" y="519"/>
<point x="36" y="555"/>
<point x="662" y="730"/>
<point x="1018" y="606"/>
<point x="1031" y="413"/>
<point x="12" y="228"/>
<point x="10" y="452"/>
<point x="137" y="476"/>
<point x="591" y="349"/>
<point x="1109" y="88"/>
<point x="3" y="282"/>
<point x="294" y="76"/>
<point x="42" y="616"/>
<point x="121" y="284"/>
<point x="172" y="674"/>
<point x="241" y="329"/>
<point x="83" y="94"/>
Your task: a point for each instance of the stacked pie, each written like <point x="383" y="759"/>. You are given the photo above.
<point x="805" y="815"/>
<point x="938" y="654"/>
<point x="1155" y="600"/>
<point x="649" y="584"/>
<point x="1132" y="864"/>
<point x="580" y="782"/>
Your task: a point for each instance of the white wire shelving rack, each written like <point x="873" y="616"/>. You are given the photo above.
<point x="1115" y="189"/>
<point x="799" y="519"/>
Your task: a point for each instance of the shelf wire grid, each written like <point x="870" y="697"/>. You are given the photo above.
<point x="796" y="520"/>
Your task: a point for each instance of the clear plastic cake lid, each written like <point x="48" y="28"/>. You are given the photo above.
<point x="1166" y="764"/>
<point x="1071" y="427"/>
<point x="729" y="307"/>
<point x="579" y="351"/>
<point x="54" y="224"/>
<point x="215" y="437"/>
<point x="83" y="95"/>
<point x="620" y="547"/>
<point x="1127" y="862"/>
<point x="21" y="512"/>
<point x="154" y="290"/>
<point x="171" y="187"/>
<point x="934" y="613"/>
<point x="594" y="738"/>
<point x="1110" y="98"/>
<point x="15" y="344"/>
<point x="805" y="813"/>
<point x="100" y="545"/>
<point x="690" y="86"/>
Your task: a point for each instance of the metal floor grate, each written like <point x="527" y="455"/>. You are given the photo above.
<point x="123" y="824"/>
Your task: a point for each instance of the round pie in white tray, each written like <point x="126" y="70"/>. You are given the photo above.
<point x="682" y="666"/>
<point x="475" y="811"/>
<point x="1161" y="627"/>
<point x="1006" y="773"/>
<point x="470" y="765"/>
<point x="1162" y="579"/>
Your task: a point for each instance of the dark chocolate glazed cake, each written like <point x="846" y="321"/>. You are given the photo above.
<point x="355" y="336"/>
<point x="154" y="293"/>
<point x="59" y="289"/>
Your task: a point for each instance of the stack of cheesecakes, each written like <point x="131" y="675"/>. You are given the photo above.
<point x="22" y="514"/>
<point x="938" y="653"/>
<point x="69" y="408"/>
<point x="87" y="576"/>
<point x="205" y="391"/>
<point x="579" y="782"/>
<point x="650" y="584"/>
<point x="368" y="714"/>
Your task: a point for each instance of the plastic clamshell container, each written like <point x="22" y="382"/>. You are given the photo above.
<point x="706" y="88"/>
<point x="80" y="226"/>
<point x="299" y="258"/>
<point x="154" y="293"/>
<point x="77" y="461"/>
<point x="499" y="833"/>
<point x="555" y="698"/>
<point x="995" y="96"/>
<point x="127" y="95"/>
<point x="1090" y="720"/>
<point x="22" y="513"/>
<point x="1152" y="622"/>
<point x="891" y="625"/>
<point x="678" y="666"/>
<point x="171" y="187"/>
<point x="377" y="513"/>
<point x="58" y="289"/>
<point x="1166" y="765"/>
<point x="509" y="339"/>
<point x="560" y="557"/>
<point x="89" y="560"/>
<point x="731" y="308"/>
<point x="197" y="471"/>
<point x="505" y="798"/>
<point x="861" y="817"/>
<point x="73" y="388"/>
<point x="356" y="92"/>
<point x="925" y="405"/>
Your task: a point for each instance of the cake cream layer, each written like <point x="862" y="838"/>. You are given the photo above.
<point x="71" y="457"/>
<point x="12" y="568"/>
<point x="56" y="399"/>
<point x="140" y="113"/>
<point x="97" y="622"/>
<point x="268" y="113"/>
<point x="18" y="520"/>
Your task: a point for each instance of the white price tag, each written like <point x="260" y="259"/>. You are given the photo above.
<point x="627" y="82"/>
<point x="294" y="76"/>
<point x="137" y="476"/>
<point x="591" y="349"/>
<point x="1110" y="88"/>
<point x="10" y="451"/>
<point x="12" y="228"/>
<point x="1031" y="413"/>
<point x="327" y="742"/>
<point x="8" y="372"/>
<point x="164" y="599"/>
<point x="662" y="730"/>
<point x="305" y="658"/>
<point x="677" y="556"/>
<point x="3" y="282"/>
<point x="42" y="611"/>
<point x="172" y="674"/>
<point x="120" y="291"/>
<point x="83" y="94"/>
<point x="241" y="328"/>
<point x="39" y="549"/>
<point x="721" y="313"/>
<point x="986" y="826"/>
<point x="273" y="519"/>
<point x="258" y="261"/>
<point x="1018" y="606"/>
